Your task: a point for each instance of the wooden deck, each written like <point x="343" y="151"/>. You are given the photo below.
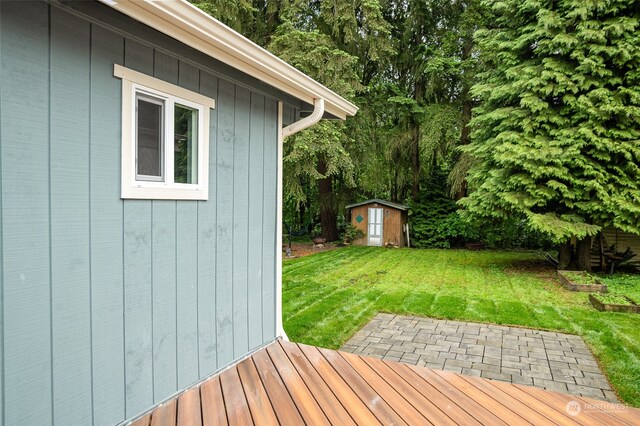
<point x="290" y="384"/>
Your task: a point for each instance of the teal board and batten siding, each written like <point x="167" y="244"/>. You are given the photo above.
<point x="109" y="306"/>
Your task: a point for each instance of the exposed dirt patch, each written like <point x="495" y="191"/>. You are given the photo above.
<point x="305" y="249"/>
<point x="539" y="267"/>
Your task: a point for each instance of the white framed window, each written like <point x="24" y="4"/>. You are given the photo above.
<point x="165" y="139"/>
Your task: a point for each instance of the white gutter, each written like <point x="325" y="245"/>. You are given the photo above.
<point x="316" y="115"/>
<point x="186" y="23"/>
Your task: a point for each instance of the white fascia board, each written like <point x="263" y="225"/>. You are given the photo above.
<point x="185" y="22"/>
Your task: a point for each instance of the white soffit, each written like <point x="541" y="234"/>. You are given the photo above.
<point x="185" y="22"/>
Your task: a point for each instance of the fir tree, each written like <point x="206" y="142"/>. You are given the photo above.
<point x="557" y="134"/>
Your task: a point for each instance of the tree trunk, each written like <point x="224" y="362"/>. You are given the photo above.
<point x="394" y="186"/>
<point x="575" y="255"/>
<point x="301" y="214"/>
<point x="583" y="254"/>
<point x="465" y="136"/>
<point x="328" y="213"/>
<point x="564" y="255"/>
<point x="467" y="106"/>
<point x="415" y="161"/>
<point x="415" y="143"/>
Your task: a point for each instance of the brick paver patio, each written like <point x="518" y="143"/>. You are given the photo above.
<point x="553" y="361"/>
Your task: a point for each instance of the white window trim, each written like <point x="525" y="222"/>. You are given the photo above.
<point x="135" y="82"/>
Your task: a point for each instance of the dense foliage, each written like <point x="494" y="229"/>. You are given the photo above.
<point x="318" y="154"/>
<point x="555" y="147"/>
<point x="406" y="64"/>
<point x="557" y="133"/>
<point x="436" y="223"/>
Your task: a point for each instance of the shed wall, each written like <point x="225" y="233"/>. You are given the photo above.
<point x="364" y="213"/>
<point x="392" y="231"/>
<point x="622" y="240"/>
<point x="393" y="220"/>
<point x="110" y="306"/>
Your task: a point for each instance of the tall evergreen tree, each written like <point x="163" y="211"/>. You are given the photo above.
<point x="432" y="70"/>
<point x="339" y="43"/>
<point x="257" y="20"/>
<point x="318" y="154"/>
<point x="557" y="134"/>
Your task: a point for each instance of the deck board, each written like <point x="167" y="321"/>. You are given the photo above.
<point x="433" y="395"/>
<point x="617" y="417"/>
<point x="285" y="408"/>
<point x="143" y="421"/>
<point x="334" y="410"/>
<point x="559" y="403"/>
<point x="400" y="405"/>
<point x="475" y="409"/>
<point x="212" y="403"/>
<point x="357" y="409"/>
<point x="417" y="400"/>
<point x="378" y="406"/>
<point x="189" y="410"/>
<point x="540" y="406"/>
<point x="508" y="415"/>
<point x="528" y="413"/>
<point x="304" y="400"/>
<point x="165" y="415"/>
<point x="234" y="398"/>
<point x="294" y="384"/>
<point x="256" y="394"/>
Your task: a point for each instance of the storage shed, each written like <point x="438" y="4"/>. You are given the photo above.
<point x="601" y="245"/>
<point x="140" y="203"/>
<point x="383" y="222"/>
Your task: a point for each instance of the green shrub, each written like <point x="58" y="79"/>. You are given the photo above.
<point x="514" y="233"/>
<point x="428" y="221"/>
<point x="581" y="278"/>
<point x="613" y="299"/>
<point x="435" y="223"/>
<point x="316" y="231"/>
<point x="351" y="233"/>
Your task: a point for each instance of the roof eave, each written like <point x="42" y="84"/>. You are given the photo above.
<point x="190" y="25"/>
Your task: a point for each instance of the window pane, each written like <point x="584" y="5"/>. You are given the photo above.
<point x="149" y="138"/>
<point x="186" y="145"/>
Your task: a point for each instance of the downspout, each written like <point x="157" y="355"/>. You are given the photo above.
<point x="316" y="115"/>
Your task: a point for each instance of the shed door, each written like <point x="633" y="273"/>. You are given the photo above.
<point x="375" y="227"/>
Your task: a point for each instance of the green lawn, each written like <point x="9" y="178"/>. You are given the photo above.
<point x="328" y="296"/>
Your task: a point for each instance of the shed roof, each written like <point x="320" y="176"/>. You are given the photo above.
<point x="185" y="22"/>
<point x="383" y="202"/>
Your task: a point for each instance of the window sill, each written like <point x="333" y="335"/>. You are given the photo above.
<point x="164" y="192"/>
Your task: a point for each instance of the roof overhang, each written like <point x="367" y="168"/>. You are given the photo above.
<point x="184" y="22"/>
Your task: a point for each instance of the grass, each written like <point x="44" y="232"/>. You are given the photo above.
<point x="329" y="296"/>
<point x="627" y="284"/>
<point x="581" y="278"/>
<point x="613" y="299"/>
